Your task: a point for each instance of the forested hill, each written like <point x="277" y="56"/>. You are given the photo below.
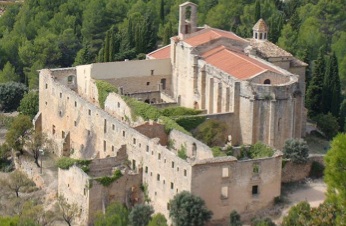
<point x="60" y="33"/>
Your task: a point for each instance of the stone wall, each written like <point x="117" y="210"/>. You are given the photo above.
<point x="293" y="172"/>
<point x="244" y="186"/>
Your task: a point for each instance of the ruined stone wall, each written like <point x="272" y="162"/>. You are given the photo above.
<point x="152" y="130"/>
<point x="74" y="185"/>
<point x="293" y="172"/>
<point x="230" y="184"/>
<point x="195" y="149"/>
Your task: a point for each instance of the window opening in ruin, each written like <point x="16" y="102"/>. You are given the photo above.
<point x="60" y="95"/>
<point x="225" y="172"/>
<point x="148" y="83"/>
<point x="53" y="129"/>
<point x="155" y="193"/>
<point x="152" y="152"/>
<point x="75" y="103"/>
<point x="133" y="164"/>
<point x="159" y="156"/>
<point x="147" y="101"/>
<point x="172" y="185"/>
<point x="185" y="172"/>
<point x="158" y="177"/>
<point x="151" y="72"/>
<point x="46" y="103"/>
<point x="279" y="122"/>
<point x="75" y="123"/>
<point x="84" y="192"/>
<point x="224" y="192"/>
<point x="255" y="169"/>
<point x="147" y="148"/>
<point x="164" y="161"/>
<point x="105" y="126"/>
<point x="255" y="190"/>
<point x="124" y="133"/>
<point x="46" y="86"/>
<point x="70" y="79"/>
<point x="151" y="173"/>
<point x="187" y="29"/>
<point x="60" y="113"/>
<point x="164" y="182"/>
<point x="89" y="132"/>
<point x="178" y="169"/>
<point x="194" y="149"/>
<point x="265" y="35"/>
<point x="89" y="112"/>
<point x="62" y="134"/>
<point x="134" y="140"/>
<point x="113" y="127"/>
<point x="104" y="145"/>
<point x="153" y="101"/>
<point x="112" y="148"/>
<point x="172" y="164"/>
<point x="267" y="82"/>
<point x="176" y="190"/>
<point x="163" y="84"/>
<point x="118" y="105"/>
<point x="146" y="169"/>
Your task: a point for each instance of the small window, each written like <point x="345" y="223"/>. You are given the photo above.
<point x="225" y="172"/>
<point x="60" y="113"/>
<point x="75" y="103"/>
<point x="224" y="192"/>
<point x="118" y="105"/>
<point x="113" y="127"/>
<point x="112" y="148"/>
<point x="89" y="132"/>
<point x="75" y="123"/>
<point x="172" y="185"/>
<point x="151" y="72"/>
<point x="134" y="140"/>
<point x="163" y="84"/>
<point x="53" y="129"/>
<point x="62" y="134"/>
<point x="148" y="83"/>
<point x="147" y="148"/>
<point x="159" y="156"/>
<point x="124" y="134"/>
<point x="255" y="190"/>
<point x="89" y="112"/>
<point x="164" y="182"/>
<point x="164" y="161"/>
<point x="104" y="145"/>
<point x="158" y="177"/>
<point x="178" y="169"/>
<point x="46" y="86"/>
<point x="255" y="169"/>
<point x="146" y="169"/>
<point x="267" y="82"/>
<point x="60" y="95"/>
<point x="185" y="172"/>
<point x="105" y="126"/>
<point x="46" y="103"/>
<point x="172" y="164"/>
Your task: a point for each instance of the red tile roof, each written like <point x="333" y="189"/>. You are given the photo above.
<point x="162" y="53"/>
<point x="236" y="64"/>
<point x="209" y="34"/>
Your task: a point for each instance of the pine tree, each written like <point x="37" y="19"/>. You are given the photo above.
<point x="315" y="89"/>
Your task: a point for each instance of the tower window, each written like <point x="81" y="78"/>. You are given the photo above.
<point x="255" y="190"/>
<point x="267" y="82"/>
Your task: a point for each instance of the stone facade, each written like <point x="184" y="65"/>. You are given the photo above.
<point x="257" y="93"/>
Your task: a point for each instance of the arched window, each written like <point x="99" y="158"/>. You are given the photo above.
<point x="194" y="149"/>
<point x="267" y="81"/>
<point x="147" y="101"/>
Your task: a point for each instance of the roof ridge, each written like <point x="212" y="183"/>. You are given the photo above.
<point x="239" y="55"/>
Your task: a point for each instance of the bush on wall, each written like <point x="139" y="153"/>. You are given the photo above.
<point x="104" y="88"/>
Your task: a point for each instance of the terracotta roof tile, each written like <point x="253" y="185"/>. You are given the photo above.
<point x="162" y="53"/>
<point x="260" y="26"/>
<point x="236" y="64"/>
<point x="209" y="34"/>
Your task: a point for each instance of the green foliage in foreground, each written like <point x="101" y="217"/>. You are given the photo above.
<point x="297" y="150"/>
<point x="260" y="150"/>
<point x="141" y="215"/>
<point x="328" y="124"/>
<point x="106" y="181"/>
<point x="9" y="221"/>
<point x="187" y="209"/>
<point x="158" y="220"/>
<point x="66" y="163"/>
<point x="116" y="214"/>
<point x="29" y="104"/>
<point x="104" y="88"/>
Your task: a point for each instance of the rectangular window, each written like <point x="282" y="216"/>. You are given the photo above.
<point x="124" y="134"/>
<point x="62" y="134"/>
<point x="75" y="103"/>
<point x="224" y="192"/>
<point x="53" y="129"/>
<point x="225" y="172"/>
<point x="172" y="164"/>
<point x="159" y="156"/>
<point x="46" y="86"/>
<point x="89" y="112"/>
<point x="185" y="172"/>
<point x="60" y="95"/>
<point x="255" y="190"/>
<point x="104" y="145"/>
<point x="158" y="177"/>
<point x="89" y="132"/>
<point x="113" y="127"/>
<point x="146" y="169"/>
<point x="172" y="185"/>
<point x="134" y="140"/>
<point x="105" y="126"/>
<point x="112" y="148"/>
<point x="75" y="123"/>
<point x="255" y="168"/>
<point x="147" y="148"/>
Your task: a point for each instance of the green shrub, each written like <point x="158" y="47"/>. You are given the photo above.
<point x="182" y="152"/>
<point x="190" y="123"/>
<point x="178" y="111"/>
<point x="211" y="132"/>
<point x="6" y="121"/>
<point x="217" y="151"/>
<point x="297" y="150"/>
<point x="170" y="124"/>
<point x="328" y="124"/>
<point x="104" y="88"/>
<point x="106" y="181"/>
<point x="260" y="150"/>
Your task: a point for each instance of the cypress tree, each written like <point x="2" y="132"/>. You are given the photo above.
<point x="258" y="10"/>
<point x="315" y="89"/>
<point x="111" y="46"/>
<point x="331" y="90"/>
<point x="162" y="11"/>
<point x="106" y="48"/>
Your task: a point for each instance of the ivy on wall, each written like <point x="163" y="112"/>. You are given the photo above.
<point x="191" y="122"/>
<point x="66" y="163"/>
<point x="104" y="88"/>
<point x="106" y="181"/>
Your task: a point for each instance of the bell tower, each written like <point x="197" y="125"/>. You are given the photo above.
<point x="187" y="19"/>
<point x="260" y="30"/>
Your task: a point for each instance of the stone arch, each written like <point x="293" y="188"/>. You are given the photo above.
<point x="267" y="82"/>
<point x="147" y="101"/>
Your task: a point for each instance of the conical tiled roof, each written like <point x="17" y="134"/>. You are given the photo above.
<point x="260" y="26"/>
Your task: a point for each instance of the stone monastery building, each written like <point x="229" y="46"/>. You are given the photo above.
<point x="252" y="85"/>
